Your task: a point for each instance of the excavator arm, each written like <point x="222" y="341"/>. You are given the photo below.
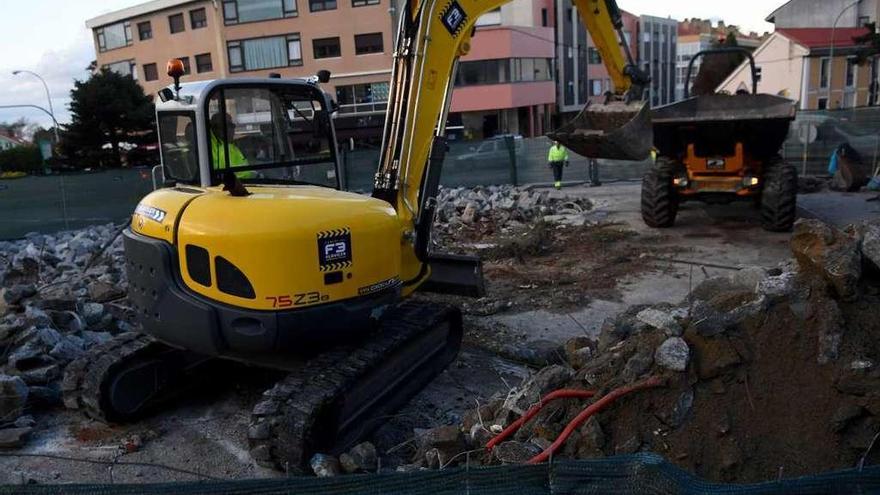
<point x="432" y="35"/>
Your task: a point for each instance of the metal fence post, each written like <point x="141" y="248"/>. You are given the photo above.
<point x="64" y="202"/>
<point x="511" y="149"/>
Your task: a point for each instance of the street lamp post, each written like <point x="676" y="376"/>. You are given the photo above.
<point x="48" y="97"/>
<point x="831" y="54"/>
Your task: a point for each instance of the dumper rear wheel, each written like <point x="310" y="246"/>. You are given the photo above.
<point x="779" y="197"/>
<point x="659" y="199"/>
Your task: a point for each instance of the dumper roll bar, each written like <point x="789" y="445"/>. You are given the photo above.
<point x="714" y="51"/>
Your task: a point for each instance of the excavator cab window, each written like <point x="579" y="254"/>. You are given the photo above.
<point x="179" y="151"/>
<point x="271" y="135"/>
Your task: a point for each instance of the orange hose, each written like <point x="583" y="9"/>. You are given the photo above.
<point x="534" y="410"/>
<point x="592" y="409"/>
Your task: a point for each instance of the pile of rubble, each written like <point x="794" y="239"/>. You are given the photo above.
<point x="58" y="298"/>
<point x="766" y="373"/>
<point x="505" y="206"/>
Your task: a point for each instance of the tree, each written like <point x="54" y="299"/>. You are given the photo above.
<point x="717" y="67"/>
<point x="107" y="109"/>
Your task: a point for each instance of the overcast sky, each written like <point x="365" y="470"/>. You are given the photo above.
<point x="49" y="37"/>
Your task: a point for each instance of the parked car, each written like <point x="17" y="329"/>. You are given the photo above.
<point x="492" y="151"/>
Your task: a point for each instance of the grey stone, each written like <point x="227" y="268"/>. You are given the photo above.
<point x="66" y="351"/>
<point x="749" y="278"/>
<point x="346" y="462"/>
<point x="829" y="253"/>
<point x="513" y="452"/>
<point x="325" y="466"/>
<point x="777" y="287"/>
<point x="660" y="320"/>
<point x="636" y="366"/>
<point x="871" y="245"/>
<point x="673" y="354"/>
<point x="13" y="397"/>
<point x="13" y="438"/>
<point x="37" y="317"/>
<point x="364" y="456"/>
<point x="682" y="408"/>
<point x="45" y="395"/>
<point x="95" y="338"/>
<point x="102" y="292"/>
<point x="42" y="375"/>
<point x="538" y="385"/>
<point x="92" y="313"/>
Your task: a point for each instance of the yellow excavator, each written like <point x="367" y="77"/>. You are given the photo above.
<point x="253" y="250"/>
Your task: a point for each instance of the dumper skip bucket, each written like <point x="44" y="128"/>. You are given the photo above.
<point x="613" y="131"/>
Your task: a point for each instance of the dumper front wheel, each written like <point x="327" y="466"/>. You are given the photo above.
<point x="779" y="197"/>
<point x="659" y="198"/>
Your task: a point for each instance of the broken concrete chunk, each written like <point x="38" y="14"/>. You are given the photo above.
<point x="660" y="320"/>
<point x="871" y="245"/>
<point x="325" y="466"/>
<point x="831" y="254"/>
<point x="515" y="452"/>
<point x="673" y="354"/>
<point x="749" y="278"/>
<point x="13" y="438"/>
<point x="537" y="386"/>
<point x="364" y="456"/>
<point x="13" y="397"/>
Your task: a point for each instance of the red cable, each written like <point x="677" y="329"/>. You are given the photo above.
<point x="592" y="409"/>
<point x="534" y="410"/>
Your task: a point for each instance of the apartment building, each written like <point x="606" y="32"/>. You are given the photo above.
<point x="581" y="73"/>
<point x="658" y="45"/>
<point x="824" y="13"/>
<point x="796" y="63"/>
<point x="253" y="38"/>
<point x="505" y="85"/>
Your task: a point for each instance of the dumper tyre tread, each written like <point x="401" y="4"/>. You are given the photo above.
<point x="779" y="197"/>
<point x="659" y="199"/>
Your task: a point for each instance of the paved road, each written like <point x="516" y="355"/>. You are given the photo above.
<point x="840" y="209"/>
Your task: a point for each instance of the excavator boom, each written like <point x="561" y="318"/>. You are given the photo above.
<point x="432" y="35"/>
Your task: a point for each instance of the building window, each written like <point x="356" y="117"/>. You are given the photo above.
<point x="186" y="67"/>
<point x="124" y="67"/>
<point x="596" y="87"/>
<point x="850" y="72"/>
<point x="824" y="72"/>
<point x="501" y="71"/>
<point x="823" y="104"/>
<point x="264" y="53"/>
<point x="145" y="31"/>
<point x="198" y="18"/>
<point x="594" y="56"/>
<point x="363" y="3"/>
<point x="151" y="72"/>
<point x="326" y="47"/>
<point x="358" y="97"/>
<point x="544" y="17"/>
<point x="863" y="21"/>
<point x="203" y="63"/>
<point x="175" y="22"/>
<point x="113" y="36"/>
<point x="319" y="5"/>
<point x="237" y="11"/>
<point x="368" y="43"/>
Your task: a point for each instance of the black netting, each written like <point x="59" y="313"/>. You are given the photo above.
<point x="646" y="474"/>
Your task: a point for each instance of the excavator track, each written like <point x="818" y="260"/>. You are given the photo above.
<point x="342" y="396"/>
<point x="119" y="380"/>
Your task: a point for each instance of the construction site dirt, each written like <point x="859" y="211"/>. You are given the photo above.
<point x="754" y="402"/>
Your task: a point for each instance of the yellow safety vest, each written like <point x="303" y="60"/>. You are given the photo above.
<point x="558" y="154"/>
<point x="236" y="158"/>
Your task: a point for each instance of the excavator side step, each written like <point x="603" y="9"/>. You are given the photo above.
<point x="340" y="397"/>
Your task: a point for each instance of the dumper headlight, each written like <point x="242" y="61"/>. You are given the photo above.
<point x="749" y="181"/>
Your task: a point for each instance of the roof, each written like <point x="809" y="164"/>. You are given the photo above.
<point x="135" y="11"/>
<point x="814" y="38"/>
<point x="772" y="17"/>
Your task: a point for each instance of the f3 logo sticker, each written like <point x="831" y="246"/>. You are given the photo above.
<point x="334" y="249"/>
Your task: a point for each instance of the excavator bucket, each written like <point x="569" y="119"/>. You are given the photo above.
<point x="613" y="131"/>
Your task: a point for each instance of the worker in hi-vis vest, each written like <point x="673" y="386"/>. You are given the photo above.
<point x="557" y="159"/>
<point x="221" y="142"/>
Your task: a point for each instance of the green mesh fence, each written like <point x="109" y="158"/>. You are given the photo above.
<point x="645" y="474"/>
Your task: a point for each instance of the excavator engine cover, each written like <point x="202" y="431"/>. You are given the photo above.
<point x="613" y="131"/>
